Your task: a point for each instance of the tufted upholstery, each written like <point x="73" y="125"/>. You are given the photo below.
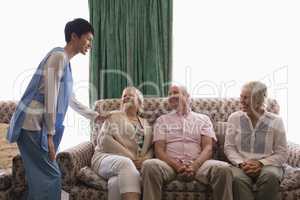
<point x="83" y="183"/>
<point x="75" y="162"/>
<point x="7" y="109"/>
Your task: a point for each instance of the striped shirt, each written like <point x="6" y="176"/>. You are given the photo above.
<point x="265" y="142"/>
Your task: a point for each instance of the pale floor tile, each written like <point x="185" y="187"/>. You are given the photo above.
<point x="64" y="195"/>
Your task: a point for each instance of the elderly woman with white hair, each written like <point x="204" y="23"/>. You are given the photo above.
<point x="256" y="145"/>
<point x="124" y="142"/>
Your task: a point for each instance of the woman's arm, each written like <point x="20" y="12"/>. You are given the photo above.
<point x="53" y="72"/>
<point x="82" y="109"/>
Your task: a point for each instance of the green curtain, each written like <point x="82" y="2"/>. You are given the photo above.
<point x="132" y="46"/>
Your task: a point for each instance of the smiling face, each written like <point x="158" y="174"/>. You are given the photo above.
<point x="130" y="99"/>
<point x="245" y="100"/>
<point x="252" y="97"/>
<point x="177" y="98"/>
<point x="83" y="43"/>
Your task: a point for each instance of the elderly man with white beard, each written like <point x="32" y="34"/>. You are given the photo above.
<point x="183" y="143"/>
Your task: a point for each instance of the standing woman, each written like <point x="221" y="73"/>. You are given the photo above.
<point x="37" y="124"/>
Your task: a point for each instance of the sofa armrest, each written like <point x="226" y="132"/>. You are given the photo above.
<point x="293" y="154"/>
<point x="72" y="160"/>
<point x="18" y="172"/>
<point x="5" y="179"/>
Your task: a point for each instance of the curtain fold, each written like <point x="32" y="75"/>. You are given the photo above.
<point x="132" y="46"/>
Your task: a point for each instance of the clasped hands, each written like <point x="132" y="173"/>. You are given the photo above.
<point x="138" y="162"/>
<point x="251" y="167"/>
<point x="186" y="171"/>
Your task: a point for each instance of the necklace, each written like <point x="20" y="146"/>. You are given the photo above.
<point x="138" y="132"/>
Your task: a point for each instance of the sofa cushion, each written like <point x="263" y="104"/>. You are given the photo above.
<point x="7" y="150"/>
<point x="291" y="180"/>
<point x="87" y="176"/>
<point x="180" y="186"/>
<point x="84" y="192"/>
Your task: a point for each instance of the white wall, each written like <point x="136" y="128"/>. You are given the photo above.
<point x="29" y="29"/>
<point x="219" y="45"/>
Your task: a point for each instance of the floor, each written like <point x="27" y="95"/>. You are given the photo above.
<point x="64" y="195"/>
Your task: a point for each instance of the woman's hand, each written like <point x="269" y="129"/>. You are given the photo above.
<point x="51" y="148"/>
<point x="101" y="118"/>
<point x="139" y="162"/>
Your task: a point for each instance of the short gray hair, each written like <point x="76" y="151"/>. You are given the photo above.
<point x="258" y="92"/>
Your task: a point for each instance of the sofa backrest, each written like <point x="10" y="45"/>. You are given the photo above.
<point x="7" y="108"/>
<point x="218" y="109"/>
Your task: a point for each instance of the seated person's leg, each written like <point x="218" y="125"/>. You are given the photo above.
<point x="268" y="183"/>
<point x="154" y="173"/>
<point x="241" y="185"/>
<point x="218" y="175"/>
<point x="113" y="188"/>
<point x="125" y="170"/>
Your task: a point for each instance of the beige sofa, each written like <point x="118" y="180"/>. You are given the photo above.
<point x="82" y="183"/>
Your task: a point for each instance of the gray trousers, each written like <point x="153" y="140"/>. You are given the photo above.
<point x="265" y="187"/>
<point x="215" y="173"/>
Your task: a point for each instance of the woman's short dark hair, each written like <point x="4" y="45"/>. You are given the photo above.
<point x="78" y="26"/>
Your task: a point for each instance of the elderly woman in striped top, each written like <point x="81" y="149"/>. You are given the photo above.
<point x="123" y="143"/>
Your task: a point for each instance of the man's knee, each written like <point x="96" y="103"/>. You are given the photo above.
<point x="149" y="167"/>
<point x="222" y="171"/>
<point x="238" y="179"/>
<point x="268" y="177"/>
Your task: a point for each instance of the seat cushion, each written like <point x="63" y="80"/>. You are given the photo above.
<point x="84" y="192"/>
<point x="179" y="186"/>
<point x="88" y="177"/>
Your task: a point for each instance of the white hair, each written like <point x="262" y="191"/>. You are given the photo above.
<point x="139" y="95"/>
<point x="258" y="92"/>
